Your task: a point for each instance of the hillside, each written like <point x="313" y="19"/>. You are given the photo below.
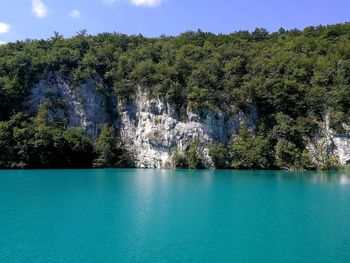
<point x="248" y="100"/>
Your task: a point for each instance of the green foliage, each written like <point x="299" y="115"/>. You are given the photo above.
<point x="219" y="155"/>
<point x="250" y="152"/>
<point x="192" y="155"/>
<point x="286" y="128"/>
<point x="179" y="160"/>
<point x="144" y="73"/>
<point x="109" y="151"/>
<point x="331" y="163"/>
<point x="190" y="158"/>
<point x="32" y="143"/>
<point x="288" y="156"/>
<point x="292" y="72"/>
<point x="77" y="148"/>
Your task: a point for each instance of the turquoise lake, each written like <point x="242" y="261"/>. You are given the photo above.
<point x="137" y="215"/>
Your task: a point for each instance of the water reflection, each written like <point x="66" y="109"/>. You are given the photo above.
<point x="147" y="179"/>
<point x="335" y="177"/>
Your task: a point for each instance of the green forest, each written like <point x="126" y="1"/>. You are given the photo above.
<point x="294" y="78"/>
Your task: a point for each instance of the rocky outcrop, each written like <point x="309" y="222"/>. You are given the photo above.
<point x="329" y="144"/>
<point x="82" y="106"/>
<point x="151" y="128"/>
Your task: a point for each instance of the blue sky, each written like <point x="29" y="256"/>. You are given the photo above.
<point x="21" y="19"/>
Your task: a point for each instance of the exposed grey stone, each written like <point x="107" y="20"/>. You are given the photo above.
<point x="151" y="128"/>
<point x="85" y="106"/>
<point x="328" y="144"/>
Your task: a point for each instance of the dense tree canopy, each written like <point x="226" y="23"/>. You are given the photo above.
<point x="32" y="143"/>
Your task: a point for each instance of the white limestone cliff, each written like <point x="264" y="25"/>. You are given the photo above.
<point x="150" y="127"/>
<point x="329" y="144"/>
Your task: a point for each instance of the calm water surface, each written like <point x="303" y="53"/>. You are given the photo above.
<point x="173" y="216"/>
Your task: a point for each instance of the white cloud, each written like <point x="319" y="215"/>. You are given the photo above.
<point x="75" y="14"/>
<point x="109" y="2"/>
<point x="2" y="43"/>
<point x="39" y="8"/>
<point x="4" y="28"/>
<point x="150" y="3"/>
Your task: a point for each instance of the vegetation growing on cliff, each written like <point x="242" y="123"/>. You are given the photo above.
<point x="190" y="158"/>
<point x="37" y="142"/>
<point x="292" y="77"/>
<point x="109" y="151"/>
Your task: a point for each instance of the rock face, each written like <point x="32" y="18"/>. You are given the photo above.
<point x="83" y="106"/>
<point x="329" y="144"/>
<point x="151" y="128"/>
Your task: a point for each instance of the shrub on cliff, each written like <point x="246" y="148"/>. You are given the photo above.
<point x="250" y="151"/>
<point x="219" y="155"/>
<point x="179" y="160"/>
<point x="108" y="149"/>
<point x="188" y="159"/>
